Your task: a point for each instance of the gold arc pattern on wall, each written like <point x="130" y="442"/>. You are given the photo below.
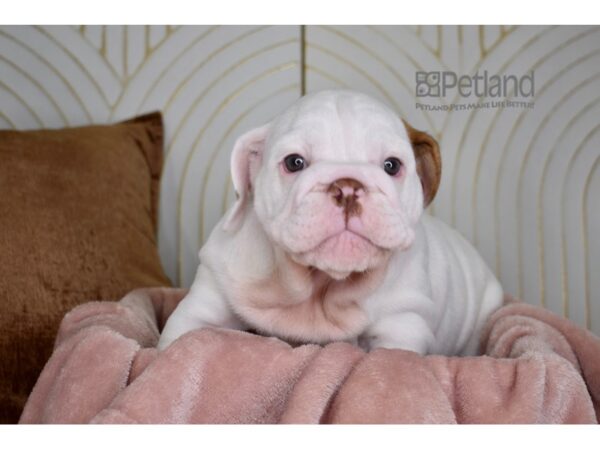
<point x="588" y="263"/>
<point x="206" y="60"/>
<point x="107" y="60"/>
<point x="543" y="179"/>
<point x="572" y="159"/>
<point x="83" y="68"/>
<point x="516" y="122"/>
<point x="549" y="83"/>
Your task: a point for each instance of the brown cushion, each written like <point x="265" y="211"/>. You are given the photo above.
<point x="78" y="222"/>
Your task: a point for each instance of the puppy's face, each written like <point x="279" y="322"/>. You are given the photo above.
<point x="338" y="181"/>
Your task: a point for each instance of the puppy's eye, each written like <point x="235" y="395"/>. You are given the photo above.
<point x="294" y="162"/>
<point x="392" y="166"/>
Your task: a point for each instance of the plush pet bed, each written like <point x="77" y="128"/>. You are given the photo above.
<point x="537" y="368"/>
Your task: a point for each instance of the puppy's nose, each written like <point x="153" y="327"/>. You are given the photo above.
<point x="345" y="193"/>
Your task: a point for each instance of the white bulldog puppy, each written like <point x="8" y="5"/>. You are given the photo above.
<point x="328" y="241"/>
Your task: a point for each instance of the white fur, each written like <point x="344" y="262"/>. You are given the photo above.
<point x="285" y="262"/>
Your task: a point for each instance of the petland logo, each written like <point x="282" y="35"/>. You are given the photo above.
<point x="489" y="91"/>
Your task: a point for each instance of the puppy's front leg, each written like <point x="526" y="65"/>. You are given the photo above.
<point x="204" y="306"/>
<point x="406" y="331"/>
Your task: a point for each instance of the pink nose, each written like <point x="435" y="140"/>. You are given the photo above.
<point x="345" y="193"/>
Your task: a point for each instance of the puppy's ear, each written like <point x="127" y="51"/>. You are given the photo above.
<point x="245" y="161"/>
<point x="428" y="159"/>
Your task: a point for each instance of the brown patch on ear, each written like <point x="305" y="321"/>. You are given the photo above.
<point x="428" y="159"/>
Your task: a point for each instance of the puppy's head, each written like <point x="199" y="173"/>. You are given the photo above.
<point x="338" y="181"/>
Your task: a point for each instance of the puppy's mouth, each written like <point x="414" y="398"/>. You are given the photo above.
<point x="343" y="253"/>
<point x="346" y="237"/>
<point x="320" y="234"/>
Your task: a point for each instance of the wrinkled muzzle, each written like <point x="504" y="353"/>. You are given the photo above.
<point x="341" y="218"/>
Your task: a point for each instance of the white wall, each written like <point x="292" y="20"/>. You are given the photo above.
<point x="521" y="184"/>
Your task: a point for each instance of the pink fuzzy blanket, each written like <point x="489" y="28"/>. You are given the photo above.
<point x="538" y="368"/>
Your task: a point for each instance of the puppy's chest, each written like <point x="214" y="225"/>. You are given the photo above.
<point x="319" y="314"/>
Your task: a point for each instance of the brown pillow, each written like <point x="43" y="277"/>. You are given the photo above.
<point x="78" y="222"/>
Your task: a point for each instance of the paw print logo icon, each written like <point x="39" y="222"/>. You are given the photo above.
<point x="428" y="84"/>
